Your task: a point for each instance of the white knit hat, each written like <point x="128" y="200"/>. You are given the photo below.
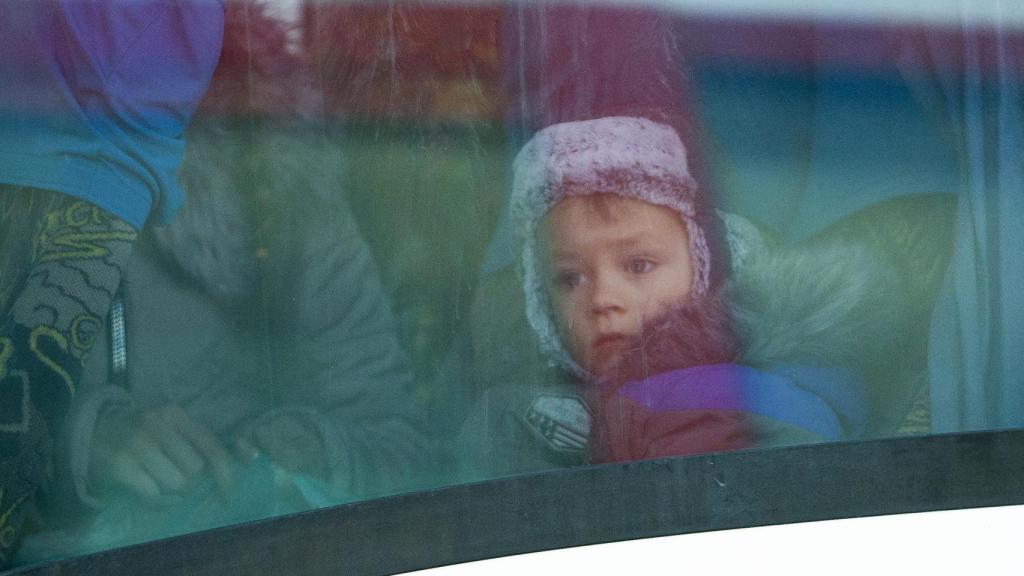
<point x="629" y="157"/>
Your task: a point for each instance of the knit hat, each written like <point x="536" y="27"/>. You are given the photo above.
<point x="629" y="157"/>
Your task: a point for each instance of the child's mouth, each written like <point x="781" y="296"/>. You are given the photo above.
<point x="609" y="342"/>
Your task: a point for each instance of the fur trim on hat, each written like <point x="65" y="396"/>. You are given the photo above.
<point x="629" y="157"/>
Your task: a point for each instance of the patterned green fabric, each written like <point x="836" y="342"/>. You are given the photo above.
<point x="60" y="265"/>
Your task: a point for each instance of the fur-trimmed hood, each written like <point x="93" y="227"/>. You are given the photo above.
<point x="257" y="166"/>
<point x="626" y="156"/>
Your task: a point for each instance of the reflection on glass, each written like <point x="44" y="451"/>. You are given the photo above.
<point x="275" y="255"/>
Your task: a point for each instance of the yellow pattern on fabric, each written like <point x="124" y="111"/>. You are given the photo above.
<point x="61" y="237"/>
<point x="84" y="329"/>
<point x="82" y="245"/>
<point x="7" y="532"/>
<point x="61" y="342"/>
<point x="82" y="214"/>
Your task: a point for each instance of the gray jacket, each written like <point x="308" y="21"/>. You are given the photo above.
<point x="258" y="307"/>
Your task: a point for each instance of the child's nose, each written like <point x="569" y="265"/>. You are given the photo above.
<point x="607" y="295"/>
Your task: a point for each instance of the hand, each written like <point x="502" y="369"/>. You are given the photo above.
<point x="289" y="440"/>
<point x="165" y="454"/>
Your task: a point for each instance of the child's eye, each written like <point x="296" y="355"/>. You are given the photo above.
<point x="568" y="279"/>
<point x="640" y="265"/>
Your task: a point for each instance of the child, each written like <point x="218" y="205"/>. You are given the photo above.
<point x="612" y="243"/>
<point x="624" y="291"/>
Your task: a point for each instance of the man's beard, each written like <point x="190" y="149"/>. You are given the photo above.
<point x="697" y="332"/>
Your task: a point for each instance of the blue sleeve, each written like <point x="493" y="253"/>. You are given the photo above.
<point x="98" y="96"/>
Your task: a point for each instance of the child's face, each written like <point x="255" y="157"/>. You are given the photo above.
<point x="611" y="264"/>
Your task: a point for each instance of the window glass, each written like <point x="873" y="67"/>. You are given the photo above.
<point x="262" y="256"/>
